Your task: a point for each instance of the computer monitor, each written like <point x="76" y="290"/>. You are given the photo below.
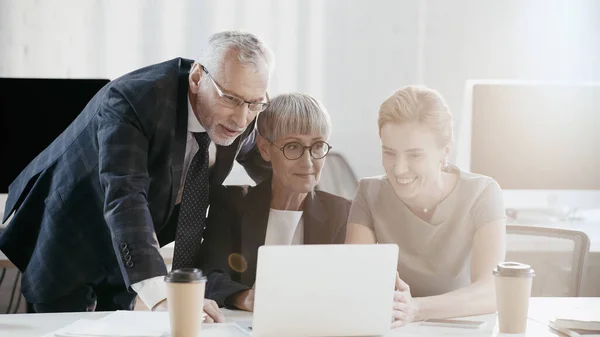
<point x="33" y="112"/>
<point x="539" y="140"/>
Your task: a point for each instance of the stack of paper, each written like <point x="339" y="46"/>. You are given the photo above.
<point x="583" y="324"/>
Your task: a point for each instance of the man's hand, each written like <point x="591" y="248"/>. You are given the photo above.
<point x="405" y="308"/>
<point x="213" y="313"/>
<point x="161" y="306"/>
<point x="245" y="300"/>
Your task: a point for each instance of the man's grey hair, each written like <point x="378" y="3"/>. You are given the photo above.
<point x="252" y="51"/>
<point x="293" y="113"/>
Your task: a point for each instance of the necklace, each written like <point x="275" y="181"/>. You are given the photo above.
<point x="425" y="209"/>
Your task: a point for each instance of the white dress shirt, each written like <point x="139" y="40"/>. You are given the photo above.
<point x="284" y="228"/>
<point x="153" y="290"/>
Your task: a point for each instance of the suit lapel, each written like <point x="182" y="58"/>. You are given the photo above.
<point x="224" y="162"/>
<point x="254" y="226"/>
<point x="315" y="231"/>
<point x="225" y="157"/>
<point x="180" y="137"/>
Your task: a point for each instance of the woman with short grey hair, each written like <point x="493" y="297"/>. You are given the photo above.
<point x="282" y="210"/>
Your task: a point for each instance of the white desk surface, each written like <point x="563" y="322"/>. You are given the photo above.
<point x="540" y="311"/>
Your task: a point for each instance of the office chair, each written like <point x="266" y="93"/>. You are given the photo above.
<point x="558" y="257"/>
<point x="11" y="300"/>
<point x="337" y="177"/>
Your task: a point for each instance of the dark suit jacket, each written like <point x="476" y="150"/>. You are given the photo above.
<point x="100" y="192"/>
<point x="237" y="226"/>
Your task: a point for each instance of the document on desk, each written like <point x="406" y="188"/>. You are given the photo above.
<point x="120" y="324"/>
<point x="138" y="324"/>
<point x="574" y="320"/>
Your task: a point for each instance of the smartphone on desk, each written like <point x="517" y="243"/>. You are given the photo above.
<point x="454" y="323"/>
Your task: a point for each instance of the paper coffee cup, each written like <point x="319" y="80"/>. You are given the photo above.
<point x="513" y="289"/>
<point x="185" y="299"/>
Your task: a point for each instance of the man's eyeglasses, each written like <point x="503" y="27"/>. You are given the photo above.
<point x="295" y="150"/>
<point x="233" y="101"/>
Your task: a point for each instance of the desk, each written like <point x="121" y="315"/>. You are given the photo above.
<point x="541" y="310"/>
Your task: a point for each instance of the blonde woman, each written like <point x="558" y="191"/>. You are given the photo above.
<point x="449" y="224"/>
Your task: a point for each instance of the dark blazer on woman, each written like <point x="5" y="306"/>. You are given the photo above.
<point x="237" y="227"/>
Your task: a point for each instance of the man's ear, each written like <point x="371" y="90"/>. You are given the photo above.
<point x="264" y="148"/>
<point x="447" y="150"/>
<point x="195" y="77"/>
<point x="446" y="155"/>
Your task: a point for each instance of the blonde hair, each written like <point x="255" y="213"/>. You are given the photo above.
<point x="420" y="105"/>
<point x="293" y="113"/>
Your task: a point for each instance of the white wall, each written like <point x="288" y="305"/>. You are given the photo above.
<point x="555" y="40"/>
<point x="371" y="50"/>
<point x="349" y="53"/>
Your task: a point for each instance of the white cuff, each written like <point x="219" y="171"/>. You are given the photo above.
<point x="151" y="291"/>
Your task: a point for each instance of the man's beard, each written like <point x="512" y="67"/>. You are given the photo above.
<point x="218" y="138"/>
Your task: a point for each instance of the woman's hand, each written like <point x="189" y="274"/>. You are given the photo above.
<point x="245" y="300"/>
<point x="213" y="313"/>
<point x="405" y="307"/>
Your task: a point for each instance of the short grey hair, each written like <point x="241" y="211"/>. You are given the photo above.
<point x="293" y="113"/>
<point x="252" y="51"/>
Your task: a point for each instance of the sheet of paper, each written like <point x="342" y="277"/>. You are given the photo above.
<point x="138" y="324"/>
<point x="120" y="324"/>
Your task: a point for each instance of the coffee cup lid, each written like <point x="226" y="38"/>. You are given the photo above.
<point x="514" y="269"/>
<point x="185" y="275"/>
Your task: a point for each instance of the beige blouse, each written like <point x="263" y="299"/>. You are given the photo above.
<point x="435" y="256"/>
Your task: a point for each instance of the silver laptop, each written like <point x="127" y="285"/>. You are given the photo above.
<point x="324" y="290"/>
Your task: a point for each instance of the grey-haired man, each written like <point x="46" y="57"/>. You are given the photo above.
<point x="130" y="174"/>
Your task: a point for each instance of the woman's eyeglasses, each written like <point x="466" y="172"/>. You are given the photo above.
<point x="295" y="150"/>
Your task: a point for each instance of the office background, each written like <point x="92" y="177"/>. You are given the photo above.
<point x="350" y="54"/>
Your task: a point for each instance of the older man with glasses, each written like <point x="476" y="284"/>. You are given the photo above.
<point x="282" y="210"/>
<point x="131" y="173"/>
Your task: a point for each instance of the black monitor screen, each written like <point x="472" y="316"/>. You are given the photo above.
<point x="33" y="112"/>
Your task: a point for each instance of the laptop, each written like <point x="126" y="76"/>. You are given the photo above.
<point x="324" y="290"/>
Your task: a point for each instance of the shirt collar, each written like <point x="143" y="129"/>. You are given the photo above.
<point x="193" y="124"/>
